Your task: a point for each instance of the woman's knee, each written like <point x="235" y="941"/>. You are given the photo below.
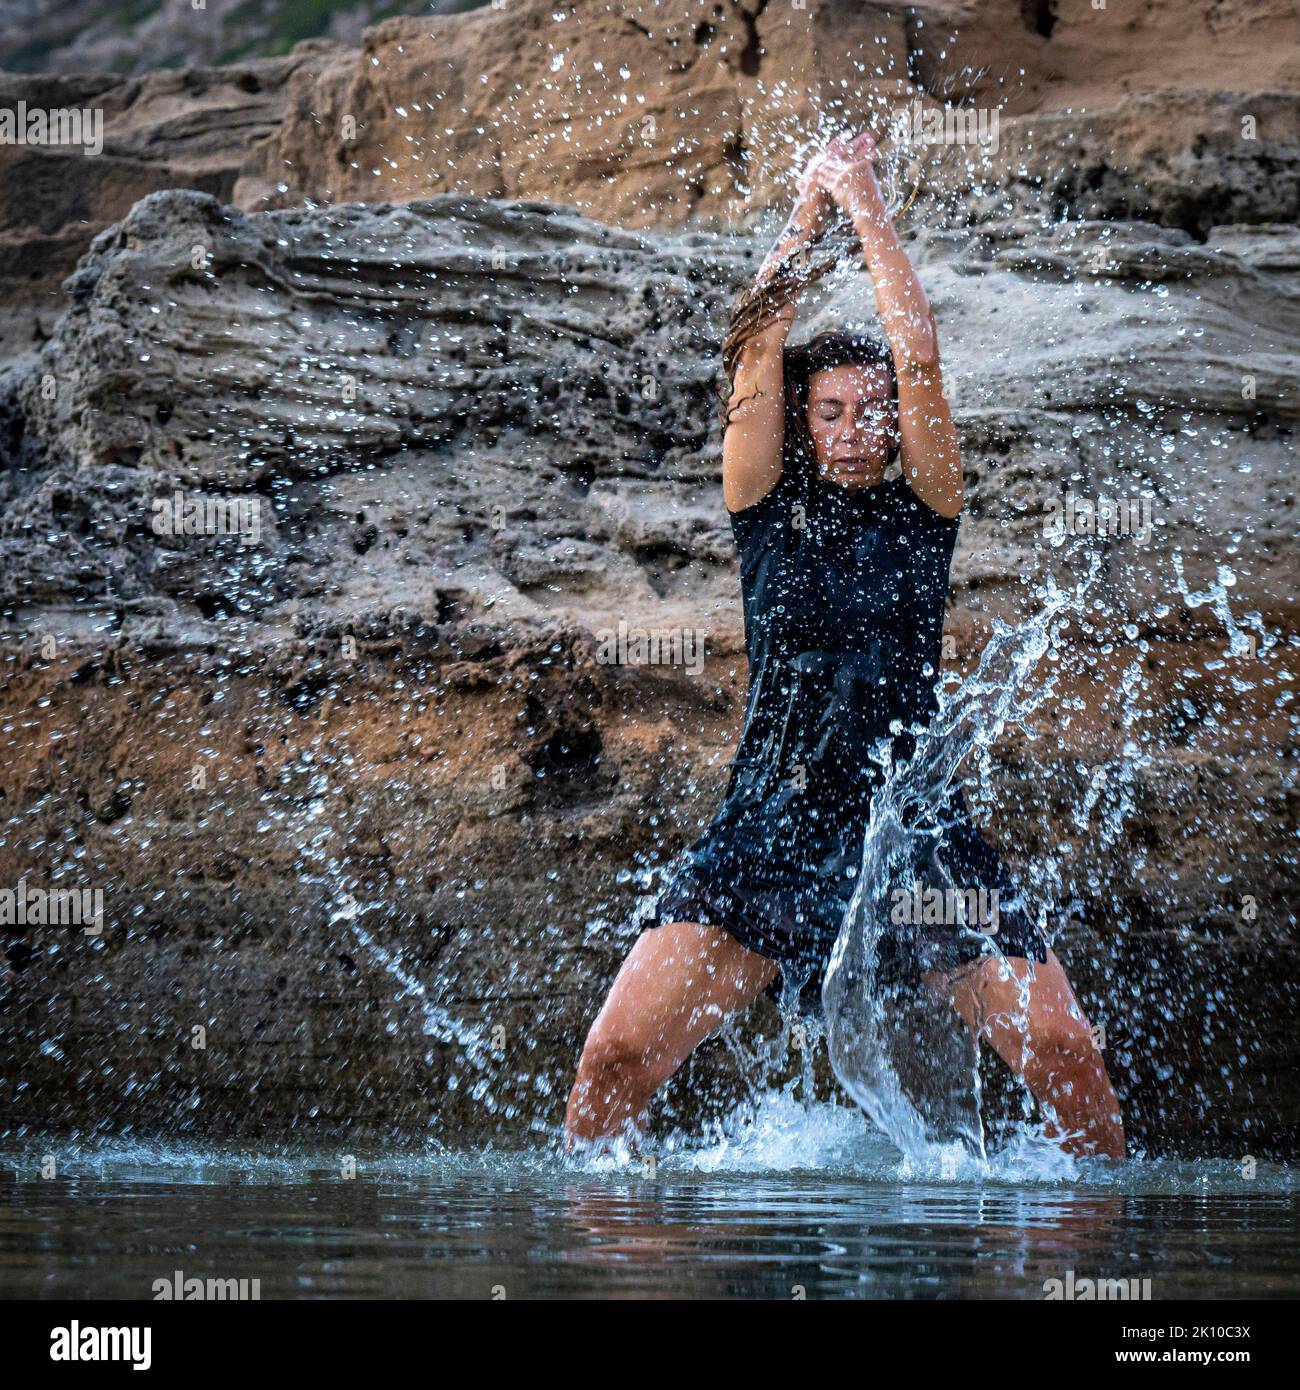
<point x="616" y="1060"/>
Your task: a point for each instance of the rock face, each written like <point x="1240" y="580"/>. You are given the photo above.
<point x="177" y="129"/>
<point x="368" y="806"/>
<point x="675" y="113"/>
<point x="668" y="112"/>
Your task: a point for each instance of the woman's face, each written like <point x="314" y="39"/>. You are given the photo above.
<point x="853" y="422"/>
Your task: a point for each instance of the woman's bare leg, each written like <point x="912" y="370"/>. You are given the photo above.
<point x="1028" y="1013"/>
<point x="679" y="983"/>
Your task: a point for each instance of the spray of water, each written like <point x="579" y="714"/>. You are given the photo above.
<point x="347" y="913"/>
<point x="896" y="1047"/>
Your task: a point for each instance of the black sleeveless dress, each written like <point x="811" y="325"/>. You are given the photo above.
<point x="844" y="594"/>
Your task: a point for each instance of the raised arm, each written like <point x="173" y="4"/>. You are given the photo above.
<point x="930" y="452"/>
<point x="755" y="431"/>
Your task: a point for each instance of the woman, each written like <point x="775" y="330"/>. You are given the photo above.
<point x="844" y="576"/>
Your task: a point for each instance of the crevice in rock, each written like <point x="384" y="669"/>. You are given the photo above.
<point x="751" y="56"/>
<point x="1040" y="16"/>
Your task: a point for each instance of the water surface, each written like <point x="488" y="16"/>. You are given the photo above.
<point x="793" y="1204"/>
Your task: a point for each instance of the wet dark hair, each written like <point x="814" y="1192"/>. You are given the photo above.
<point x="800" y="364"/>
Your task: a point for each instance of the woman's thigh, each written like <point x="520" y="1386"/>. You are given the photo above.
<point x="679" y="983"/>
<point x="1016" y="1002"/>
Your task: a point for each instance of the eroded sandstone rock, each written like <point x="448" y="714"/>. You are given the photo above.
<point x="673" y="113"/>
<point x="191" y="128"/>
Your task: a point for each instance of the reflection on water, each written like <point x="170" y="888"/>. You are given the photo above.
<point x="739" y="1217"/>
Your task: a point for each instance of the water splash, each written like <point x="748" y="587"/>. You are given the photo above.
<point x="345" y="911"/>
<point x="896" y="1046"/>
<point x="438" y="1023"/>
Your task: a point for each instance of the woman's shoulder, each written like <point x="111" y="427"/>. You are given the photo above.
<point x="770" y="510"/>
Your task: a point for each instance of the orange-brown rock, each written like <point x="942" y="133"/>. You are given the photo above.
<point x="660" y="113"/>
